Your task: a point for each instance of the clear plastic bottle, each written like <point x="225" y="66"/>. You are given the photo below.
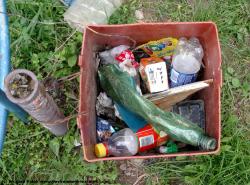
<point x="122" y="143"/>
<point x="189" y="47"/>
<point x="187" y="61"/>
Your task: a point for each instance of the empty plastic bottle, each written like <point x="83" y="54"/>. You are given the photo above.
<point x="187" y="61"/>
<point x="122" y="143"/>
<point x="199" y="53"/>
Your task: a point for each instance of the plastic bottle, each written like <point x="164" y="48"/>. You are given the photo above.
<point x="149" y="138"/>
<point x="186" y="61"/>
<point x="122" y="143"/>
<point x="199" y="53"/>
<point x="126" y="143"/>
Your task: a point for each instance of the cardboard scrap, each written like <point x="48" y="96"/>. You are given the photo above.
<point x="166" y="99"/>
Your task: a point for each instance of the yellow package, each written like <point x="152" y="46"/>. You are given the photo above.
<point x="161" y="48"/>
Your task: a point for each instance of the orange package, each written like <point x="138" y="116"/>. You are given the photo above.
<point x="153" y="71"/>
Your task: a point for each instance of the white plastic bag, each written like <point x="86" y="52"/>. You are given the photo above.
<point x="83" y="12"/>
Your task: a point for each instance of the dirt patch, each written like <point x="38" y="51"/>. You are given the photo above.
<point x="150" y="11"/>
<point x="21" y="86"/>
<point x="131" y="172"/>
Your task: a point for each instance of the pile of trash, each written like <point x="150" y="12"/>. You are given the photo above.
<point x="145" y="103"/>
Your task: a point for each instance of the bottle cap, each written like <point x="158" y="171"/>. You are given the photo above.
<point x="173" y="148"/>
<point x="170" y="148"/>
<point x="100" y="150"/>
<point x="207" y="143"/>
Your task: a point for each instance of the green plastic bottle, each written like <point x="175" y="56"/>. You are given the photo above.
<point x="117" y="85"/>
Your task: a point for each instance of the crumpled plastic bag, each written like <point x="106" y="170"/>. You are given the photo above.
<point x="105" y="106"/>
<point x="84" y="12"/>
<point x="109" y="56"/>
<point x="104" y="129"/>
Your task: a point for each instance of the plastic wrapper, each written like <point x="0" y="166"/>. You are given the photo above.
<point x="127" y="55"/>
<point x="139" y="54"/>
<point x="163" y="48"/>
<point x="105" y="106"/>
<point x="133" y="121"/>
<point x="84" y="12"/>
<point x="109" y="56"/>
<point x="127" y="62"/>
<point x="104" y="130"/>
<point x="118" y="86"/>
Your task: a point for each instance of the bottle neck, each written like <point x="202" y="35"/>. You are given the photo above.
<point x="207" y="143"/>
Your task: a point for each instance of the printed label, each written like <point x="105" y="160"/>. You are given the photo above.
<point x="146" y="140"/>
<point x="178" y="79"/>
<point x="157" y="76"/>
<point x="174" y="76"/>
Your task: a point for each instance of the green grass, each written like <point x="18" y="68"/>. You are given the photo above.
<point x="38" y="35"/>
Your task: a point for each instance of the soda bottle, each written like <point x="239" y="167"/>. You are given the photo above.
<point x="126" y="143"/>
<point x="150" y="138"/>
<point x="122" y="143"/>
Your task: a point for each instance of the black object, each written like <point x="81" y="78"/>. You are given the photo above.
<point x="139" y="54"/>
<point x="193" y="110"/>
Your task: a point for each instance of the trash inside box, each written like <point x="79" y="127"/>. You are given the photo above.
<point x="97" y="37"/>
